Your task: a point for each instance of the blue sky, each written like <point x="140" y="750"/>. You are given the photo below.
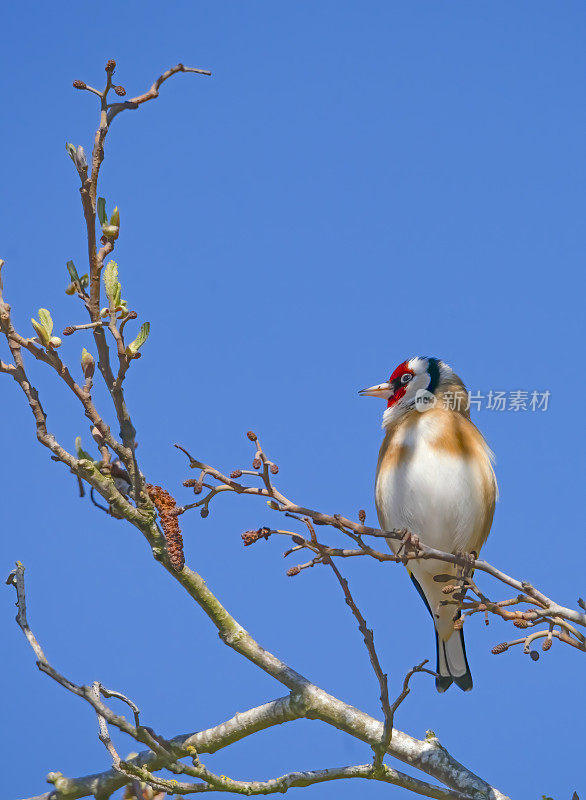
<point x="358" y="183"/>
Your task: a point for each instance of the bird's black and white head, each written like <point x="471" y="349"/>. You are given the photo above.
<point x="415" y="383"/>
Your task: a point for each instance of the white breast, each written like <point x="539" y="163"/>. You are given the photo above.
<point x="434" y="493"/>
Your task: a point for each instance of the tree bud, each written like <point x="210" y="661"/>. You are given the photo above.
<point x="41" y="332"/>
<point x="111" y="231"/>
<point x="80" y="159"/>
<point x="88" y="365"/>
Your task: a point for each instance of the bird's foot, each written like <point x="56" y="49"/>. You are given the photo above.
<point x="409" y="542"/>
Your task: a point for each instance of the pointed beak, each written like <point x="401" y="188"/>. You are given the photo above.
<point x="383" y="390"/>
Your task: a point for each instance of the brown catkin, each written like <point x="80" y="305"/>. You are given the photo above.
<point x="236" y="473"/>
<point x="362" y="516"/>
<point x="252" y="436"/>
<point x="120" y="91"/>
<point x="499" y="648"/>
<point x="79" y="84"/>
<point x="110" y="65"/>
<point x="250" y="537"/>
<point x="165" y="505"/>
<point x="256" y="464"/>
<point x="449" y="588"/>
<point x="521" y="623"/>
<point x="546" y="644"/>
<point x="293" y="571"/>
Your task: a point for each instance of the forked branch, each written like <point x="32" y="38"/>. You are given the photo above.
<point x="560" y="622"/>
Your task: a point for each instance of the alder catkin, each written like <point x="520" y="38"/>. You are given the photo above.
<point x="250" y="537"/>
<point x="165" y="505"/>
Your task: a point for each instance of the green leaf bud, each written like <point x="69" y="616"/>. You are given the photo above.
<point x="143" y="335"/>
<point x="88" y="364"/>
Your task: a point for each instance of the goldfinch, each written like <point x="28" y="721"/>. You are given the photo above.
<point x="435" y="478"/>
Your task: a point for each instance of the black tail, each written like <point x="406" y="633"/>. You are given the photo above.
<point x="451" y="661"/>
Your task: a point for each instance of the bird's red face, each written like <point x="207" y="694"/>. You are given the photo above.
<point x="395" y="388"/>
<point x="398" y="382"/>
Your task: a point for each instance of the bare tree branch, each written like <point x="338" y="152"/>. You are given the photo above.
<point x="543" y="609"/>
<point x="152" y="511"/>
<point x="313" y="703"/>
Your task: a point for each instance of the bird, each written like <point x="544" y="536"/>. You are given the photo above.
<point x="435" y="479"/>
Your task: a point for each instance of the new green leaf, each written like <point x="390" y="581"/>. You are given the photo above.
<point x="46" y="321"/>
<point x="41" y="332"/>
<point x="143" y="335"/>
<point x="72" y="271"/>
<point x="101" y="208"/>
<point x="81" y="453"/>
<point x="111" y="280"/>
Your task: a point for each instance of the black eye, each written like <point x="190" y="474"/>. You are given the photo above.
<point x="406" y="378"/>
